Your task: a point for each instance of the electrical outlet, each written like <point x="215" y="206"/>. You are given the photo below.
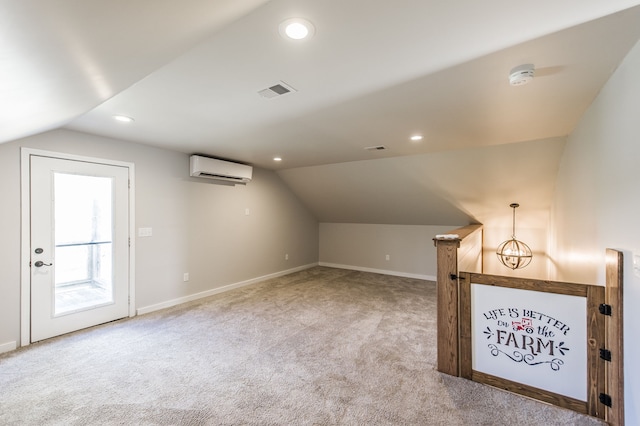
<point x="185" y="277"/>
<point x="388" y="257"/>
<point x="286" y="257"/>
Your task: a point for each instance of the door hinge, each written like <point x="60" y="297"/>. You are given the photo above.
<point x="605" y="399"/>
<point x="605" y="309"/>
<point x="605" y="354"/>
<point x="129" y="241"/>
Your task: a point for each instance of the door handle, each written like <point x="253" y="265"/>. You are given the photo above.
<point x="40" y="263"/>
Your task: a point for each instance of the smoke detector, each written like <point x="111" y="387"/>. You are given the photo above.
<point x="521" y="75"/>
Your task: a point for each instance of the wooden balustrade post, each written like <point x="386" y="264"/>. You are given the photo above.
<point x="614" y="336"/>
<point x="447" y="298"/>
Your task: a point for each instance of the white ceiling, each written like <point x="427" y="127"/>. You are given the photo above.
<point x="442" y="188"/>
<point x="375" y="73"/>
<point x="61" y="58"/>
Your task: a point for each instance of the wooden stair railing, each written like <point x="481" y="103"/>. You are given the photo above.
<point x="453" y="254"/>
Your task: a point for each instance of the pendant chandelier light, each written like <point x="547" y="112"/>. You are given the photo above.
<point x="512" y="253"/>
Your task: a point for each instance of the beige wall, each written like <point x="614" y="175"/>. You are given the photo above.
<point x="411" y="250"/>
<point x="365" y="246"/>
<point x="198" y="226"/>
<point x="597" y="205"/>
<point x="445" y="189"/>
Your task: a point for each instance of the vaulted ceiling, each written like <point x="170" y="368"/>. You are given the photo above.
<point x="374" y="73"/>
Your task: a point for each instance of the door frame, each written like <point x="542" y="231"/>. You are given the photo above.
<point x="25" y="231"/>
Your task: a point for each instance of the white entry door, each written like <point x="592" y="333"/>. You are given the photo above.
<point x="79" y="245"/>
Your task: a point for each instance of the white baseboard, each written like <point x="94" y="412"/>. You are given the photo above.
<point x="379" y="271"/>
<point x="7" y="347"/>
<point x="191" y="297"/>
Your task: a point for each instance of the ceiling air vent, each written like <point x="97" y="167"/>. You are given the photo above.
<point x="279" y="89"/>
<point x="376" y="148"/>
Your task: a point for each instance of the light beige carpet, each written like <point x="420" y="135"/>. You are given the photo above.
<point x="319" y="347"/>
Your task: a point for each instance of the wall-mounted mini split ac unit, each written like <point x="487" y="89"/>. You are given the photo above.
<point x="211" y="168"/>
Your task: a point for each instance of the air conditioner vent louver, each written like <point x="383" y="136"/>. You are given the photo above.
<point x="220" y="177"/>
<point x="279" y="89"/>
<point x="376" y="148"/>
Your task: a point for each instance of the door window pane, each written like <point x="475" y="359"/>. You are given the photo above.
<point x="83" y="207"/>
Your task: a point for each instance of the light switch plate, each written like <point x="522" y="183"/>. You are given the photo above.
<point x="145" y="232"/>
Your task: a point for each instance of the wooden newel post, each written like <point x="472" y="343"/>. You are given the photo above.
<point x="614" y="337"/>
<point x="447" y="297"/>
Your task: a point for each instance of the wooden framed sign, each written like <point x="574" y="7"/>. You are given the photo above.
<point x="536" y="338"/>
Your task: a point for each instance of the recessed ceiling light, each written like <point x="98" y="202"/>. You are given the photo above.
<point x="416" y="138"/>
<point x="277" y="159"/>
<point x="296" y="29"/>
<point x="123" y="118"/>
